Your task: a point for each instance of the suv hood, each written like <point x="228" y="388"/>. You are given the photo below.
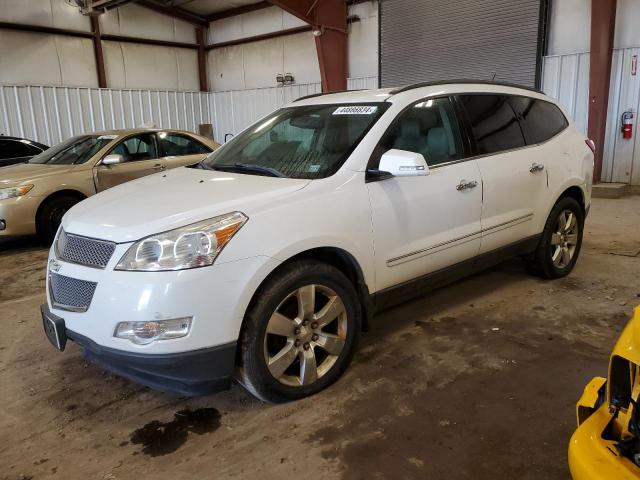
<point x="165" y="201"/>
<point x="25" y="173"/>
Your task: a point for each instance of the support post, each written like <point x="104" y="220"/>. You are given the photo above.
<point x="202" y="59"/>
<point x="603" y="22"/>
<point x="328" y="19"/>
<point x="97" y="48"/>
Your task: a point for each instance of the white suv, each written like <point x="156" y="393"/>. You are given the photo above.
<point x="265" y="261"/>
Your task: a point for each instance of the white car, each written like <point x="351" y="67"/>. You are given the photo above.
<point x="265" y="261"/>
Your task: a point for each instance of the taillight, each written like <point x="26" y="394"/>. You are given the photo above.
<point x="591" y="144"/>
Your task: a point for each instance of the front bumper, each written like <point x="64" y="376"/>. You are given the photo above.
<point x="197" y="372"/>
<point x="19" y="215"/>
<point x="591" y="457"/>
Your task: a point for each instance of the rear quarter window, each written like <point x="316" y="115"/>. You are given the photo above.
<point x="540" y="120"/>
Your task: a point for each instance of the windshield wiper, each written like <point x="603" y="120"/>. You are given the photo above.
<point x="201" y="165"/>
<point x="245" y="167"/>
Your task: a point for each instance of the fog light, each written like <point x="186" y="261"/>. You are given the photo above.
<point x="143" y="333"/>
<point x="3" y="225"/>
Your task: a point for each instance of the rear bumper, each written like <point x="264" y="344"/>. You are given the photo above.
<point x="593" y="458"/>
<point x="198" y="372"/>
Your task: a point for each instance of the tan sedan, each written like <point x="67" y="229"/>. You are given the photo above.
<point x="35" y="195"/>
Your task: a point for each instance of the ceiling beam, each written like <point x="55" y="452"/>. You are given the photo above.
<point x="175" y="12"/>
<point x="232" y="12"/>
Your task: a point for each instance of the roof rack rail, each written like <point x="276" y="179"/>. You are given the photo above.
<point x="463" y="81"/>
<point x="327" y="93"/>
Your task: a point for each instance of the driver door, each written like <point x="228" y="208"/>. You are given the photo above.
<point x="179" y="150"/>
<point x="423" y="224"/>
<point x="140" y="157"/>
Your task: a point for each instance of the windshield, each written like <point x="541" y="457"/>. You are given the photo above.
<point x="310" y="141"/>
<point x="73" y="151"/>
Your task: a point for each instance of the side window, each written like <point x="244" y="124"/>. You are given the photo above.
<point x="138" y="147"/>
<point x="428" y="127"/>
<point x="13" y="149"/>
<point x="493" y="123"/>
<point x="540" y="120"/>
<point x="175" y="144"/>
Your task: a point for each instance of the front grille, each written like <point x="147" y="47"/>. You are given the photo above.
<point x="83" y="250"/>
<point x="70" y="293"/>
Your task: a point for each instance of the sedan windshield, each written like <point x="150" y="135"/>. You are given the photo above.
<point x="310" y="141"/>
<point x="73" y="151"/>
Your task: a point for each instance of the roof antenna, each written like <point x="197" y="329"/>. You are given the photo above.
<point x="494" y="76"/>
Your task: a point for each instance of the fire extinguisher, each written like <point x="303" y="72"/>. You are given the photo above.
<point x="627" y="124"/>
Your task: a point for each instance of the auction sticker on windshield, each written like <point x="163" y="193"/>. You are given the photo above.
<point x="356" y="110"/>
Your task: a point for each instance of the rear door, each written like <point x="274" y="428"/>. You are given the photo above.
<point x="140" y="158"/>
<point x="178" y="149"/>
<point x="513" y="175"/>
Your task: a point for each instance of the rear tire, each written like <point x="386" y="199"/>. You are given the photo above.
<point x="51" y="214"/>
<point x="561" y="240"/>
<point x="300" y="333"/>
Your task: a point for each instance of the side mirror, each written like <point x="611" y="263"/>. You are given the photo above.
<point x="402" y="163"/>
<point x="113" y="159"/>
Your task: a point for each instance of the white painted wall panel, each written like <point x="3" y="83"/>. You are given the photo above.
<point x="50" y="13"/>
<point x="256" y="64"/>
<point x="363" y="40"/>
<point x="132" y="20"/>
<point x="570" y="26"/>
<point x="266" y="20"/>
<point x="52" y="114"/>
<point x="566" y="77"/>
<point x="131" y="65"/>
<point x="27" y="58"/>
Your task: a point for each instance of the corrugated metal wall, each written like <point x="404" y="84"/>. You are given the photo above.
<point x="566" y="77"/>
<point x="52" y="114"/>
<point x="430" y="40"/>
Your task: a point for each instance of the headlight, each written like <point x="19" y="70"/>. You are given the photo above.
<point x="14" y="191"/>
<point x="196" y="245"/>
<point x="143" y="333"/>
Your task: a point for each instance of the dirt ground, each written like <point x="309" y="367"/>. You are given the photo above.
<point x="477" y="380"/>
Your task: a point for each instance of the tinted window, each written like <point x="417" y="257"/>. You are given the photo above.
<point x="493" y="122"/>
<point x="429" y="127"/>
<point x="173" y="144"/>
<point x="310" y="141"/>
<point x="540" y="120"/>
<point x="13" y="149"/>
<point x="138" y="147"/>
<point x="72" y="151"/>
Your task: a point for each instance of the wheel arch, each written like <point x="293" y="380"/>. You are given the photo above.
<point x="67" y="192"/>
<point x="576" y="193"/>
<point x="338" y="258"/>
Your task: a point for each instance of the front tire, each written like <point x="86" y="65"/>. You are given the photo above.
<point x="561" y="240"/>
<point x="300" y="333"/>
<point x="51" y="214"/>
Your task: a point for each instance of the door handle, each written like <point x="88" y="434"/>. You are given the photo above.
<point x="536" y="167"/>
<point x="466" y="185"/>
<point x="159" y="167"/>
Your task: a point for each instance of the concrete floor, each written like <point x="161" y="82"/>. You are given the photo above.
<point x="475" y="381"/>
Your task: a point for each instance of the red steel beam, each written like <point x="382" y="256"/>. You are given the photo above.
<point x="603" y="23"/>
<point x="232" y="12"/>
<point x="202" y="59"/>
<point x="328" y="19"/>
<point x="175" y="12"/>
<point x="97" y="49"/>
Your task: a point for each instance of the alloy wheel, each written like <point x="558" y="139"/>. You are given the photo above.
<point x="305" y="335"/>
<point x="564" y="240"/>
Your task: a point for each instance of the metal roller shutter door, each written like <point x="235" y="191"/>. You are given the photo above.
<point x="429" y="40"/>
